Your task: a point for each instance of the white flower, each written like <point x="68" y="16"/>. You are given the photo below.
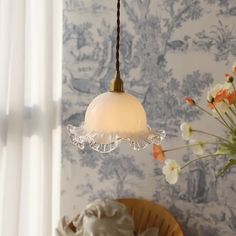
<point x="217" y="98"/>
<point x="216" y="89"/>
<point x="186" y="130"/>
<point x="171" y="170"/>
<point x="197" y="147"/>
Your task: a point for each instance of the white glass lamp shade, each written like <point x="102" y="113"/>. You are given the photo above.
<point x="110" y="118"/>
<point x="116" y="113"/>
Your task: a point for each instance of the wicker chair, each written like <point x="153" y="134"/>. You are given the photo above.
<point x="148" y="214"/>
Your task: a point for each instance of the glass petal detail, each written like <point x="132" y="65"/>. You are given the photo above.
<point x="107" y="142"/>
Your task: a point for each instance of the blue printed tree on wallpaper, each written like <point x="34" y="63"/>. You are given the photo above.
<point x="117" y="168"/>
<point x="149" y="38"/>
<point x="221" y="39"/>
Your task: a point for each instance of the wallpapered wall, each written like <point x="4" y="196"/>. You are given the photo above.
<point x="169" y="49"/>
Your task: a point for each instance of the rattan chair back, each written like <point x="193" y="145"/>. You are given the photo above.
<point x="148" y="214"/>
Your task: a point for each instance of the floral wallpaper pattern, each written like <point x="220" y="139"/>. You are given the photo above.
<point x="169" y="49"/>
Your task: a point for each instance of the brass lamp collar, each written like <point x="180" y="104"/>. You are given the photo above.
<point x="117" y="84"/>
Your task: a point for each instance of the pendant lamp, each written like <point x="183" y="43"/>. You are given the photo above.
<point x="114" y="116"/>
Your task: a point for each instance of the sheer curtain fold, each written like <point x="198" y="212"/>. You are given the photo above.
<point x="30" y="96"/>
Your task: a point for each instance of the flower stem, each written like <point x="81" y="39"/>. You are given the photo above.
<point x="230" y="119"/>
<point x="210" y="114"/>
<point x="185" y="146"/>
<point x="230" y="108"/>
<point x="200" y="158"/>
<point x="233" y="87"/>
<point x="234" y="91"/>
<point x="213" y="135"/>
<point x="221" y="116"/>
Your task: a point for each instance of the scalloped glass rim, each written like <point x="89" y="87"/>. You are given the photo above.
<point x="110" y="141"/>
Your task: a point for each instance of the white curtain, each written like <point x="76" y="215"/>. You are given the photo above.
<point x="30" y="94"/>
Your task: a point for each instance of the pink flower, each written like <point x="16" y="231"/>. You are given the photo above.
<point x="229" y="78"/>
<point x="189" y="101"/>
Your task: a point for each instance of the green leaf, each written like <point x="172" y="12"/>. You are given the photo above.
<point x="233" y="137"/>
<point x="227" y="149"/>
<point x="227" y="166"/>
<point x="223" y="150"/>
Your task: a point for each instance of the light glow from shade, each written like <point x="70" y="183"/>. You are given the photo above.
<point x="111" y="118"/>
<point x="115" y="113"/>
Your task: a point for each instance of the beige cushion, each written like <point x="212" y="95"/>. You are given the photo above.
<point x="100" y="218"/>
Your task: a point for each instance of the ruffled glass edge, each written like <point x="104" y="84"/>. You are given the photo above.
<point x="107" y="142"/>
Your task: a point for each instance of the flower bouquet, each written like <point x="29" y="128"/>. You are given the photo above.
<point x="222" y="108"/>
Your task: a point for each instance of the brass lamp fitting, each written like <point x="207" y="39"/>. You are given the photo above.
<point x="117" y="84"/>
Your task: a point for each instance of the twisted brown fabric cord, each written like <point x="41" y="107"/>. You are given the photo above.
<point x="118" y="38"/>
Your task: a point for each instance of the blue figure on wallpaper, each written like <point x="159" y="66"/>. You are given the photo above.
<point x="148" y="39"/>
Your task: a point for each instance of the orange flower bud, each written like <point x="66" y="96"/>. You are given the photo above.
<point x="158" y="153"/>
<point x="189" y="101"/>
<point x="211" y="106"/>
<point x="229" y="78"/>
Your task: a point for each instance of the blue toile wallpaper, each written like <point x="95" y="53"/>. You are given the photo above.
<point x="169" y="49"/>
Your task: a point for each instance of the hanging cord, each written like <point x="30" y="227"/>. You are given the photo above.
<point x="117" y="83"/>
<point x="118" y="38"/>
